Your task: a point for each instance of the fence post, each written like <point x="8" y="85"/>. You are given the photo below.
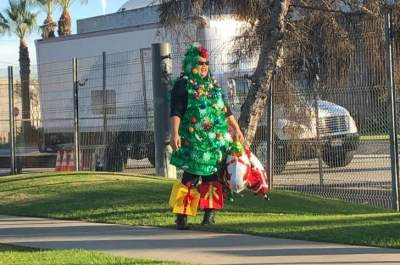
<point x="105" y="108"/>
<point x="270" y="134"/>
<point x="394" y="148"/>
<point x="161" y="56"/>
<point x="144" y="86"/>
<point x="316" y="108"/>
<point x="76" y="111"/>
<point x="11" y="119"/>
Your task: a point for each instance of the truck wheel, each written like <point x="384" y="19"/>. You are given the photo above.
<point x="114" y="158"/>
<point x="279" y="154"/>
<point x="151" y="154"/>
<point x="339" y="158"/>
<point x="19" y="165"/>
<point x="138" y="152"/>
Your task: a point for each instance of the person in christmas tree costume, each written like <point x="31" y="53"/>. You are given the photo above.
<point x="200" y="138"/>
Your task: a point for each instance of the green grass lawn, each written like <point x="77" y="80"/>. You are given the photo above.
<point x="124" y="199"/>
<point x="11" y="255"/>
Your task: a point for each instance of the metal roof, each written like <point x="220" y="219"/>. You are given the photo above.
<point x="136" y="4"/>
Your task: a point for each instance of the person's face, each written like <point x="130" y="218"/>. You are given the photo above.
<point x="203" y="67"/>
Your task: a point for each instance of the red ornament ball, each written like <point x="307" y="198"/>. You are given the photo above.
<point x="207" y="126"/>
<point x="187" y="143"/>
<point x="194" y="120"/>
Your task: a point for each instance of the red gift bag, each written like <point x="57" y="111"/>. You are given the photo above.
<point x="211" y="195"/>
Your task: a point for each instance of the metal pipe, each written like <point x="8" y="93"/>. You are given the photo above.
<point x="270" y="135"/>
<point x="76" y="111"/>
<point x="316" y="107"/>
<point x="394" y="148"/>
<point x="105" y="109"/>
<point x="144" y="86"/>
<point x="11" y="119"/>
<point x="161" y="54"/>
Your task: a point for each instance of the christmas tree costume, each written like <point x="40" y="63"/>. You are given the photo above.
<point x="204" y="134"/>
<point x="203" y="130"/>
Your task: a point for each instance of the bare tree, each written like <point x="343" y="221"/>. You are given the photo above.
<point x="274" y="27"/>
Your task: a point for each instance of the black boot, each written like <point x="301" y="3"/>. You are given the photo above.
<point x="181" y="222"/>
<point x="208" y="218"/>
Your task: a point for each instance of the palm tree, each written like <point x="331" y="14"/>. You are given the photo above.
<point x="64" y="23"/>
<point x="3" y="24"/>
<point x="19" y="20"/>
<point x="48" y="24"/>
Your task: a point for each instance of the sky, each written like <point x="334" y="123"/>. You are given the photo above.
<point x="9" y="44"/>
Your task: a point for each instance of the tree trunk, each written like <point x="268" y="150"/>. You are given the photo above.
<point x="271" y="52"/>
<point x="64" y="24"/>
<point x="24" y="71"/>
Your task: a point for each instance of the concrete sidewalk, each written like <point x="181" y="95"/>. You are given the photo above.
<point x="187" y="246"/>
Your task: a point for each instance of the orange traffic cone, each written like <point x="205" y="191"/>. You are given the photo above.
<point x="64" y="163"/>
<point x="71" y="162"/>
<point x="59" y="160"/>
<point x="80" y="161"/>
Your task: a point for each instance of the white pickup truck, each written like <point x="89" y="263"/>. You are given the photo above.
<point x="298" y="139"/>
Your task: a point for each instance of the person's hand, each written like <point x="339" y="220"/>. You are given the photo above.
<point x="175" y="141"/>
<point x="239" y="135"/>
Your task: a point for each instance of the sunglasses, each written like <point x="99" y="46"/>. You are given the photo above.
<point x="204" y="63"/>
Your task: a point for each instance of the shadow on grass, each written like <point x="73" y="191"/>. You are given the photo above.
<point x="19" y="178"/>
<point x="57" y="184"/>
<point x="297" y="203"/>
<point x="94" y="200"/>
<point x="9" y="248"/>
<point x="97" y="199"/>
<point x="72" y="174"/>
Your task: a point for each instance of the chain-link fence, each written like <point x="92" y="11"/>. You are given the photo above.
<point x="330" y="125"/>
<point x="4" y="123"/>
<point x="330" y="132"/>
<point x="114" y="124"/>
<point x="114" y="118"/>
